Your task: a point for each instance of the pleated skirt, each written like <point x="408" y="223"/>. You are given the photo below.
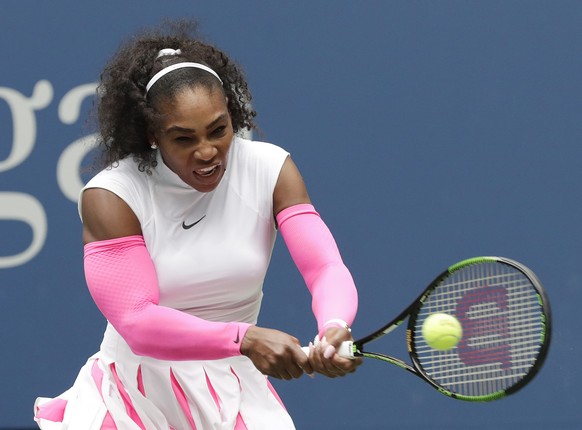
<point x="117" y="389"/>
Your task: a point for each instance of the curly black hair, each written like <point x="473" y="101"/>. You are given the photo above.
<point x="126" y="114"/>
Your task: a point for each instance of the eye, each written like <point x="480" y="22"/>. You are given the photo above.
<point x="219" y="131"/>
<point x="183" y="139"/>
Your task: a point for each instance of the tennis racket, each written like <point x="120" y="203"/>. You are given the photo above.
<point x="506" y="323"/>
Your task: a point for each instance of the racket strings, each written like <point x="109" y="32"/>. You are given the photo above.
<point x="503" y="328"/>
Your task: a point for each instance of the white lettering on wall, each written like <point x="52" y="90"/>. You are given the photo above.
<point x="70" y="105"/>
<point x="24" y="120"/>
<point x="24" y="208"/>
<point x="69" y="164"/>
<point x="21" y="207"/>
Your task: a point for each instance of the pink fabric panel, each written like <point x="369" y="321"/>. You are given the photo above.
<point x="182" y="400"/>
<point x="108" y="423"/>
<point x="126" y="399"/>
<point x="318" y="259"/>
<point x="53" y="410"/>
<point x="212" y="392"/>
<point x="97" y="374"/>
<point x="140" y="386"/>
<point x="240" y="424"/>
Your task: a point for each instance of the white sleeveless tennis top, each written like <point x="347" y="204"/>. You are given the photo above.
<point x="211" y="250"/>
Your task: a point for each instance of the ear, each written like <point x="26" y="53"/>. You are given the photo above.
<point x="152" y="140"/>
<point x="151" y="136"/>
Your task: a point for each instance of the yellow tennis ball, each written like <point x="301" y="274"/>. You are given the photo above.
<point x="442" y="331"/>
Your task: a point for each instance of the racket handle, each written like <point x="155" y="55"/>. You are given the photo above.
<point x="345" y="350"/>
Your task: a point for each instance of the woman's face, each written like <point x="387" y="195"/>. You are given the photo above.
<point x="195" y="135"/>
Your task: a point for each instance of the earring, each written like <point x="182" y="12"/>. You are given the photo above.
<point x="154" y="145"/>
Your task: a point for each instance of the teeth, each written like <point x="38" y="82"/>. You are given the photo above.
<point x="206" y="170"/>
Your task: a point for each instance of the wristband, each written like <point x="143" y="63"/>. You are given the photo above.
<point x="338" y="323"/>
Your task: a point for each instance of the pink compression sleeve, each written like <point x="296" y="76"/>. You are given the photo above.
<point x="123" y="282"/>
<point x="316" y="255"/>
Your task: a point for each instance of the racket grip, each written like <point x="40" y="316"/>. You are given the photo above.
<point x="345" y="350"/>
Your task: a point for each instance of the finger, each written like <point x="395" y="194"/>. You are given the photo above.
<point x="295" y="371"/>
<point x="329" y="351"/>
<point x="334" y="369"/>
<point x="302" y="359"/>
<point x="321" y="363"/>
<point x="284" y="374"/>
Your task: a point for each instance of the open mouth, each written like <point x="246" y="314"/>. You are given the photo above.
<point x="207" y="171"/>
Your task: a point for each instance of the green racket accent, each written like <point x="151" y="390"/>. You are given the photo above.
<point x="388" y="359"/>
<point x="506" y="322"/>
<point x="545" y="322"/>
<point x="470" y="261"/>
<point x="488" y="398"/>
<point x="403" y="365"/>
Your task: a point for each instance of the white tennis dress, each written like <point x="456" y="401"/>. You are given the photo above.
<point x="211" y="252"/>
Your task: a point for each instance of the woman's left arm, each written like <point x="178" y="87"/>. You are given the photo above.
<point x="316" y="255"/>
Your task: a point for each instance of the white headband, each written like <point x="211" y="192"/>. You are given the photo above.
<point x="173" y="67"/>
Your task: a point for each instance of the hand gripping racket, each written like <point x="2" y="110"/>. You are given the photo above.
<point x="506" y="324"/>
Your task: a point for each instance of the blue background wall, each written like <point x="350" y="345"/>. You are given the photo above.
<point x="427" y="132"/>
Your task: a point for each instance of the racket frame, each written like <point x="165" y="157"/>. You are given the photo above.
<point x="411" y="312"/>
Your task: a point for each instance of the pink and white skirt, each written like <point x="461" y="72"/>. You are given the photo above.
<point x="117" y="389"/>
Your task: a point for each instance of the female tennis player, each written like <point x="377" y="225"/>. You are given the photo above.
<point x="179" y="227"/>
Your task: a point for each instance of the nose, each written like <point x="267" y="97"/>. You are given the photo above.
<point x="205" y="151"/>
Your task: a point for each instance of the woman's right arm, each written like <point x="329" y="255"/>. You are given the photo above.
<point x="123" y="282"/>
<point x="106" y="216"/>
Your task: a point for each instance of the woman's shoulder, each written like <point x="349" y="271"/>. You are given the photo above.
<point x="124" y="179"/>
<point x="126" y="169"/>
<point x="258" y="149"/>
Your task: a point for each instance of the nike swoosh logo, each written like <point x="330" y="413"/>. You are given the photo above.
<point x="188" y="226"/>
<point x="237" y="340"/>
